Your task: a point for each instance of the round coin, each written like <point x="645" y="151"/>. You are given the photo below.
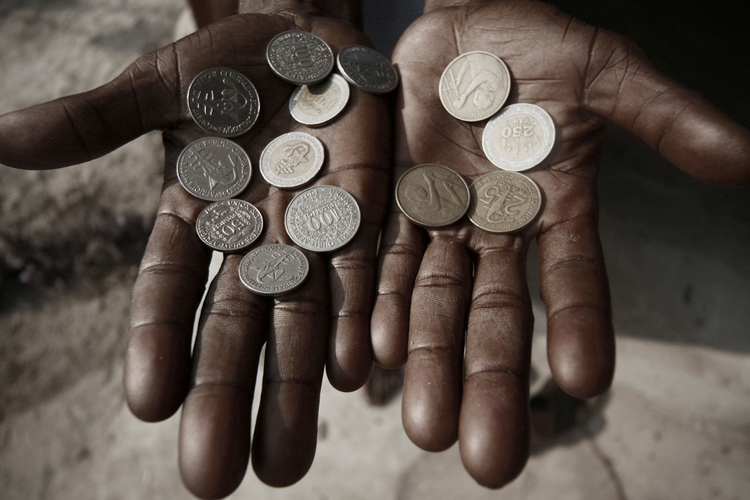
<point x="320" y="103"/>
<point x="299" y="57"/>
<point x="223" y="102"/>
<point x="214" y="169"/>
<point x="229" y="225"/>
<point x="504" y="202"/>
<point x="432" y="195"/>
<point x="273" y="269"/>
<point x="367" y="69"/>
<point x="291" y="160"/>
<point x="518" y="138"/>
<point x="474" y="86"/>
<point x="322" y="218"/>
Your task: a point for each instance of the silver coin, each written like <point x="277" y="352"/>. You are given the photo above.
<point x="474" y="86"/>
<point x="367" y="69"/>
<point x="229" y="225"/>
<point x="214" y="169"/>
<point x="504" y="202"/>
<point x="223" y="102"/>
<point x="432" y="195"/>
<point x="273" y="269"/>
<point x="320" y="103"/>
<point x="518" y="138"/>
<point x="322" y="218"/>
<point x="299" y="57"/>
<point x="292" y="160"/>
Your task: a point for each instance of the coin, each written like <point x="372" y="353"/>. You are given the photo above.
<point x="519" y="137"/>
<point x="299" y="57"/>
<point x="367" y="69"/>
<point x="503" y="202"/>
<point x="320" y="103"/>
<point x="474" y="86"/>
<point x="432" y="195"/>
<point x="291" y="160"/>
<point x="223" y="102"/>
<point x="273" y="269"/>
<point x="322" y="218"/>
<point x="214" y="169"/>
<point x="229" y="225"/>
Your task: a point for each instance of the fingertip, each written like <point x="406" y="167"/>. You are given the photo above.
<point x="349" y="363"/>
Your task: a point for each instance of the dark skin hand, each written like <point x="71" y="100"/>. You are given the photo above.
<point x="453" y="302"/>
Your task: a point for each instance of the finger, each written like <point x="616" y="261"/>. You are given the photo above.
<point x="432" y="381"/>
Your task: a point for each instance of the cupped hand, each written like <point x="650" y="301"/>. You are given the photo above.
<point x="453" y="302"/>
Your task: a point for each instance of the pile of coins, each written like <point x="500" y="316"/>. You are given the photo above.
<point x="472" y="88"/>
<point x="224" y="103"/>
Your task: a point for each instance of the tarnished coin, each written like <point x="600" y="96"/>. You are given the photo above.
<point x="519" y="137"/>
<point x="474" y="86"/>
<point x="299" y="57"/>
<point x="432" y="195"/>
<point x="322" y="218"/>
<point x="273" y="269"/>
<point x="291" y="160"/>
<point x="367" y="69"/>
<point x="214" y="169"/>
<point x="320" y="103"/>
<point x="223" y="102"/>
<point x="503" y="202"/>
<point x="229" y="225"/>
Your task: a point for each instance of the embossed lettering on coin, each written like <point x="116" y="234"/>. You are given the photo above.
<point x="320" y="103"/>
<point x="367" y="69"/>
<point x="322" y="218"/>
<point x="223" y="102"/>
<point x="474" y="86"/>
<point x="519" y="137"/>
<point x="273" y="269"/>
<point x="432" y="195"/>
<point x="299" y="57"/>
<point x="214" y="169"/>
<point x="229" y="225"/>
<point x="291" y="160"/>
<point x="503" y="202"/>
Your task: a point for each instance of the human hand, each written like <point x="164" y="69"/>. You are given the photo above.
<point x="453" y="302"/>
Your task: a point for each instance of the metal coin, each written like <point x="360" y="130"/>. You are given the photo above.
<point x="273" y="269"/>
<point x="229" y="225"/>
<point x="299" y="57"/>
<point x="432" y="195"/>
<point x="322" y="218"/>
<point x="504" y="202"/>
<point x="320" y="103"/>
<point x="223" y="102"/>
<point x="474" y="86"/>
<point x="367" y="69"/>
<point x="214" y="169"/>
<point x="292" y="160"/>
<point x="518" y="138"/>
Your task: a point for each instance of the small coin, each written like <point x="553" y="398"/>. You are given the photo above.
<point x="291" y="160"/>
<point x="504" y="202"/>
<point x="322" y="218"/>
<point x="229" y="225"/>
<point x="214" y="169"/>
<point x="273" y="269"/>
<point x="474" y="86"/>
<point x="299" y="57"/>
<point x="223" y="102"/>
<point x="432" y="195"/>
<point x="320" y="103"/>
<point x="367" y="69"/>
<point x="519" y="137"/>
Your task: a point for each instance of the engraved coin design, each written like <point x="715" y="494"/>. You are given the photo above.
<point x="273" y="269"/>
<point x="214" y="169"/>
<point x="299" y="57"/>
<point x="229" y="225"/>
<point x="223" y="102"/>
<point x="432" y="195"/>
<point x="320" y="103"/>
<point x="322" y="218"/>
<point x="504" y="202"/>
<point x="291" y="160"/>
<point x="474" y="86"/>
<point x="367" y="69"/>
<point x="518" y="138"/>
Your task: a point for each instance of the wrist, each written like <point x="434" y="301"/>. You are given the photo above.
<point x="349" y="11"/>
